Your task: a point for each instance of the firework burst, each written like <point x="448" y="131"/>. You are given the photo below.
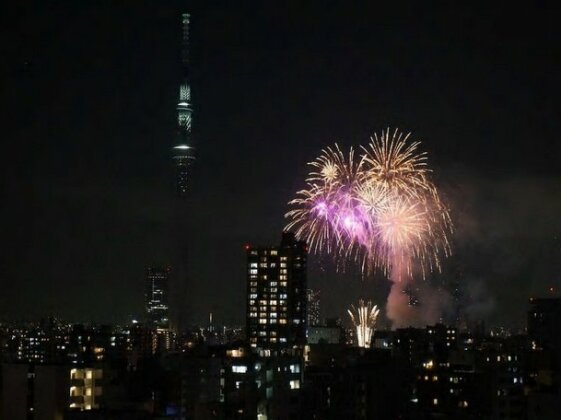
<point x="381" y="209"/>
<point x="390" y="162"/>
<point x="326" y="212"/>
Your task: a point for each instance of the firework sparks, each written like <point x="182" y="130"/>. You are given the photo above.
<point x="363" y="318"/>
<point x="326" y="212"/>
<point x="382" y="209"/>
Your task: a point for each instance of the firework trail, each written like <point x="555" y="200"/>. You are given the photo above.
<point x="363" y="318"/>
<point x="381" y="210"/>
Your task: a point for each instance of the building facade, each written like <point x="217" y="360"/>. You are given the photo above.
<point x="313" y="309"/>
<point x="32" y="391"/>
<point x="276" y="294"/>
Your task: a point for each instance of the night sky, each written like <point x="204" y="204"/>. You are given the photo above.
<point x="89" y="92"/>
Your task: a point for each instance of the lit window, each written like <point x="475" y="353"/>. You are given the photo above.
<point x="295" y="384"/>
<point x="239" y="369"/>
<point x="435" y="401"/>
<point x="295" y="368"/>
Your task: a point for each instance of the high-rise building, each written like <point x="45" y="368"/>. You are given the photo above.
<point x="156" y="296"/>
<point x="183" y="149"/>
<point x="313" y="313"/>
<point x="276" y="294"/>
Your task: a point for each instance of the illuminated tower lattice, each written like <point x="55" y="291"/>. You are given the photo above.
<point x="364" y="319"/>
<point x="183" y="150"/>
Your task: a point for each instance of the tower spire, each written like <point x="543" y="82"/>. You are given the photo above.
<point x="183" y="149"/>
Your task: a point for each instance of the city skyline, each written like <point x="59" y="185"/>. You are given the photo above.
<point x="93" y="207"/>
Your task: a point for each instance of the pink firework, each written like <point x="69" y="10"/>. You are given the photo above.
<point x="382" y="209"/>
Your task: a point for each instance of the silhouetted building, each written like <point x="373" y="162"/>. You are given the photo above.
<point x="544" y="324"/>
<point x="543" y="364"/>
<point x="353" y="383"/>
<point x="49" y="391"/>
<point x="276" y="294"/>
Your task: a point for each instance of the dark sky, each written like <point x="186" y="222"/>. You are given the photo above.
<point x="89" y="91"/>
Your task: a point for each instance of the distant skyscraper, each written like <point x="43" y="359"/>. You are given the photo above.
<point x="183" y="149"/>
<point x="313" y="307"/>
<point x="156" y="297"/>
<point x="276" y="294"/>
